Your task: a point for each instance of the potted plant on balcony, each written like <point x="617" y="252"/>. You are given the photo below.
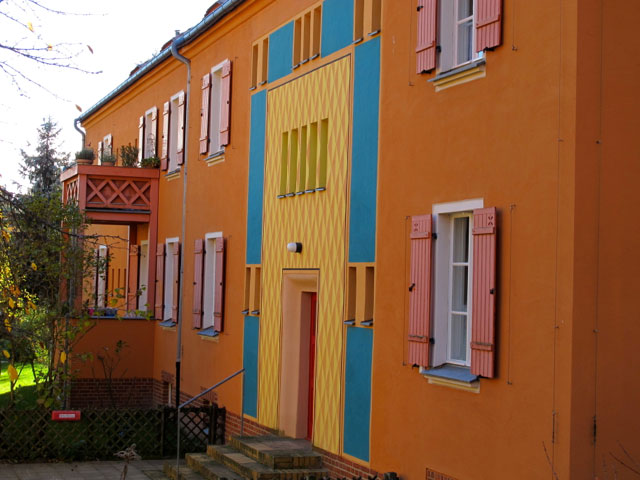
<point x="150" y="162"/>
<point x="129" y="155"/>
<point x="108" y="160"/>
<point x="84" y="157"/>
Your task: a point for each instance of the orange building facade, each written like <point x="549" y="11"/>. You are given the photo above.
<point x="411" y="222"/>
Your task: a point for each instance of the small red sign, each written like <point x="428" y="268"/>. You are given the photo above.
<point x="65" y="415"/>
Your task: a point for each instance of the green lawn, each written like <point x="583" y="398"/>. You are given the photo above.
<point x="25" y="389"/>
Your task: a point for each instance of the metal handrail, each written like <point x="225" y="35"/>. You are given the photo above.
<point x="204" y="392"/>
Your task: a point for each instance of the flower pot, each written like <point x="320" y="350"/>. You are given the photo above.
<point x="83" y="161"/>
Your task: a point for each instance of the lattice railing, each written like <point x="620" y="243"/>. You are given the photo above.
<point x="71" y="189"/>
<point x="118" y="193"/>
<point x="32" y="435"/>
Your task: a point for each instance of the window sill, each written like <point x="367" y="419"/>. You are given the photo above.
<point x="168" y="324"/>
<point x="459" y="75"/>
<point x="453" y="376"/>
<point x="215" y="158"/>
<point x="209" y="334"/>
<point x="173" y="174"/>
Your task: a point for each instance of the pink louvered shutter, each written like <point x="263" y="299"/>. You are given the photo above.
<point x="197" y="283"/>
<point x="175" y="254"/>
<point x="426" y="41"/>
<point x="204" y="114"/>
<point x="164" y="164"/>
<point x="141" y="145"/>
<point x="488" y="24"/>
<point x="132" y="297"/>
<point x="225" y="104"/>
<point x="100" y="152"/>
<point x="159" y="306"/>
<point x="219" y="286"/>
<point x="484" y="292"/>
<point x="154" y="133"/>
<point x="420" y="290"/>
<point x="181" y="130"/>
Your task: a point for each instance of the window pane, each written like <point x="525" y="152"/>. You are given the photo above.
<point x="458" y="344"/>
<point x="464" y="41"/>
<point x="465" y="9"/>
<point x="459" y="288"/>
<point x="461" y="239"/>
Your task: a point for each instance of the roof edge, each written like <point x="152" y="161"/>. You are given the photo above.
<point x="184" y="39"/>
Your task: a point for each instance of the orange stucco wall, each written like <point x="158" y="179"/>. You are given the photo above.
<point x="547" y="137"/>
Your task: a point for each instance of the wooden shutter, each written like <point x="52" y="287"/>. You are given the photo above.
<point x="159" y="281"/>
<point x="175" y="254"/>
<point x="132" y="297"/>
<point x="426" y="41"/>
<point x="484" y="292"/>
<point x="219" y="286"/>
<point x="100" y="152"/>
<point x="108" y="144"/>
<point x="204" y="114"/>
<point x="164" y="164"/>
<point x="488" y="24"/>
<point x="154" y="132"/>
<point x="197" y="283"/>
<point x="420" y="290"/>
<point x="141" y="142"/>
<point x="225" y="104"/>
<point x="181" y="139"/>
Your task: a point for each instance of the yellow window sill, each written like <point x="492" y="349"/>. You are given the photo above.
<point x="460" y="75"/>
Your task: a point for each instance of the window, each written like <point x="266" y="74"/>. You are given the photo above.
<point x="367" y="19"/>
<point x="259" y="62"/>
<point x="173" y="133"/>
<point x="148" y="134"/>
<point x="105" y="147"/>
<point x="306" y="36"/>
<point x="303" y="159"/>
<point x="460" y="30"/>
<point x="216" y="109"/>
<point x="100" y="280"/>
<point x="143" y="282"/>
<point x="208" y="283"/>
<point x="168" y="284"/>
<point x="456" y="326"/>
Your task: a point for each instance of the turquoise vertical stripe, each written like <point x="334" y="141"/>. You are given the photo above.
<point x="364" y="157"/>
<point x="281" y="52"/>
<point x="357" y="392"/>
<point x="256" y="176"/>
<point x="337" y="25"/>
<point x="250" y="364"/>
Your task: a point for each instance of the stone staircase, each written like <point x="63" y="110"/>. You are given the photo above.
<point x="251" y="458"/>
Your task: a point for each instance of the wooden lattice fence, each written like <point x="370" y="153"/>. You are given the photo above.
<point x="28" y="435"/>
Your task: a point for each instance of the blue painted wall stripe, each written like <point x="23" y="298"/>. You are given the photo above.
<point x="250" y="364"/>
<point x="337" y="25"/>
<point x="357" y="392"/>
<point x="256" y="176"/>
<point x="364" y="157"/>
<point x="281" y="52"/>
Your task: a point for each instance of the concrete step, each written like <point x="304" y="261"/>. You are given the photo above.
<point x="186" y="473"/>
<point x="251" y="469"/>
<point x="209" y="468"/>
<point x="278" y="452"/>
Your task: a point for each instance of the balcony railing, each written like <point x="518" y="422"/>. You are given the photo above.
<point x="112" y="194"/>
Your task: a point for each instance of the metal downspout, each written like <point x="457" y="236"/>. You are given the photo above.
<point x="174" y="51"/>
<point x="82" y="132"/>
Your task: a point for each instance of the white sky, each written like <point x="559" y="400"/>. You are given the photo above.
<point x="122" y="33"/>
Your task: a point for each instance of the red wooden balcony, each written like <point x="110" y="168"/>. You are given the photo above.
<point x="116" y="195"/>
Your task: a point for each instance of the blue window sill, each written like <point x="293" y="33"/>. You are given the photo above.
<point x="453" y="376"/>
<point x="208" y="332"/>
<point x="167" y="323"/>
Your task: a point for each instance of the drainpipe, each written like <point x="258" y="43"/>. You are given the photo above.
<point x="174" y="51"/>
<point x="82" y="132"/>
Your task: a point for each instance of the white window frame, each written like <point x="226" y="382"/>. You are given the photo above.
<point x="149" y="132"/>
<point x="143" y="276"/>
<point x="209" y="279"/>
<point x="174" y="125"/>
<point x="169" y="278"/>
<point x="101" y="276"/>
<point x="449" y="38"/>
<point x="215" y="109"/>
<point x="444" y="213"/>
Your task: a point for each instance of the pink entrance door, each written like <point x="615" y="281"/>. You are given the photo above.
<point x="312" y="363"/>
